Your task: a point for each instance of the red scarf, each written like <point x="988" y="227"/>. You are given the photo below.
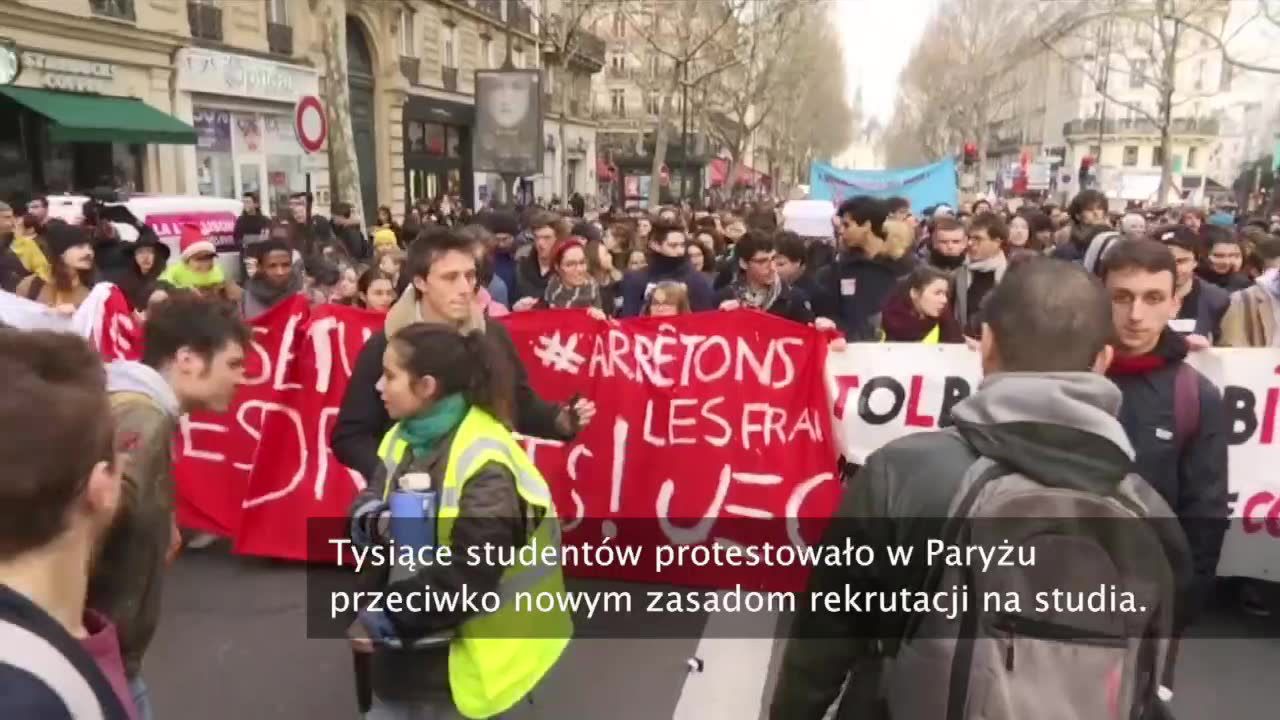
<point x="1135" y="364"/>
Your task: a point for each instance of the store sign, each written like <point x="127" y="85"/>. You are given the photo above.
<point x="219" y="73"/>
<point x="70" y="74"/>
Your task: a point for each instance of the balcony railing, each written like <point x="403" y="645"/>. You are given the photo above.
<point x="623" y="73"/>
<point x="450" y="75"/>
<point x="1178" y="126"/>
<point x="120" y="9"/>
<point x="409" y="67"/>
<point x="206" y="20"/>
<point x="280" y="38"/>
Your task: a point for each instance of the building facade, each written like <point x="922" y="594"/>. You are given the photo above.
<point x="85" y="88"/>
<point x="1061" y="107"/>
<point x="238" y="84"/>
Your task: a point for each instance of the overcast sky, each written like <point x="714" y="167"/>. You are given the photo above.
<point x="878" y="37"/>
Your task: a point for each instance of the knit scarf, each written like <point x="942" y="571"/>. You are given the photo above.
<point x="180" y="275"/>
<point x="996" y="263"/>
<point x="425" y="430"/>
<point x="758" y="298"/>
<point x="268" y="295"/>
<point x="945" y="262"/>
<point x="559" y="295"/>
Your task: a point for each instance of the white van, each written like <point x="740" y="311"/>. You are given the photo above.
<point x="166" y="214"/>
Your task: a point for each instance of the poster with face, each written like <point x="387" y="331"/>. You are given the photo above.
<point x="508" y="122"/>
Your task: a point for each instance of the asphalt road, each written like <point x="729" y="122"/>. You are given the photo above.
<point x="232" y="644"/>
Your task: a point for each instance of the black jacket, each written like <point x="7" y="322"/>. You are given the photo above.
<point x="1192" y="478"/>
<point x="903" y="493"/>
<point x="852" y="291"/>
<point x="636" y="285"/>
<point x="530" y="282"/>
<point x="363" y="419"/>
<point x="353" y="240"/>
<point x="32" y="689"/>
<point x="11" y="268"/>
<point x="251" y="226"/>
<point x="1206" y="304"/>
<point x="792" y="303"/>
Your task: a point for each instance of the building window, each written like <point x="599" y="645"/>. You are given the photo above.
<point x="1192" y="156"/>
<point x="1137" y="73"/>
<point x="517" y="58"/>
<point x="655" y="66"/>
<point x="122" y="9"/>
<point x="651" y="103"/>
<point x="278" y="12"/>
<point x="448" y="46"/>
<point x="408" y="46"/>
<point x="1130" y="155"/>
<point x="1157" y="156"/>
<point x="618" y="102"/>
<point x="1200" y="75"/>
<point x="1095" y="152"/>
<point x="619" y="24"/>
<point x="486" y="52"/>
<point x="1224" y="80"/>
<point x="618" y="62"/>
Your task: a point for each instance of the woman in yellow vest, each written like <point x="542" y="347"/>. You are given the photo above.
<point x="918" y="310"/>
<point x="451" y="402"/>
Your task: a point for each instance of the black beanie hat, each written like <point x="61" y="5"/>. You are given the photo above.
<point x="60" y="237"/>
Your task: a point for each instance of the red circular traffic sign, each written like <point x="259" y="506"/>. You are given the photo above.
<point x="310" y="124"/>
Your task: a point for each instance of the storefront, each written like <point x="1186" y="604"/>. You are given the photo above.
<point x="74" y="123"/>
<point x="437" y="149"/>
<point x="242" y="110"/>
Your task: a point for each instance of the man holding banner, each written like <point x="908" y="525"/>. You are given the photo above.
<point x="443" y="267"/>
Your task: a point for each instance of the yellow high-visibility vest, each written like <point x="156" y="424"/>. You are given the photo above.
<point x="498" y="658"/>
<point x="931" y="339"/>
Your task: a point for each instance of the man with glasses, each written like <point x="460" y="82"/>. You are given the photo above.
<point x="758" y="285"/>
<point x="667" y="261"/>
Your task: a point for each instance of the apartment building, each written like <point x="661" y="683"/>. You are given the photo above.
<point x="1058" y="108"/>
<point x="628" y="99"/>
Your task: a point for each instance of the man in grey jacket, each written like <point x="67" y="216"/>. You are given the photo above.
<point x="1043" y="410"/>
<point x="193" y="360"/>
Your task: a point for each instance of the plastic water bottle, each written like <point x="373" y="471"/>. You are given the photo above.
<point x="413" y="517"/>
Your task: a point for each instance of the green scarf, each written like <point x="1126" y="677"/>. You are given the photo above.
<point x="181" y="276"/>
<point x="425" y="430"/>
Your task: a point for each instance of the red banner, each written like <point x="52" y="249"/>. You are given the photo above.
<point x="711" y="428"/>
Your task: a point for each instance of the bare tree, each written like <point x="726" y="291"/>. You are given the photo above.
<point x="959" y="79"/>
<point x="344" y="169"/>
<point x="1093" y="37"/>
<point x="685" y="39"/>
<point x="764" y="47"/>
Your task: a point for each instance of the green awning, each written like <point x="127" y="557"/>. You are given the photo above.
<point x="95" y="118"/>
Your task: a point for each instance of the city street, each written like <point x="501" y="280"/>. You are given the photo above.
<point x="232" y="644"/>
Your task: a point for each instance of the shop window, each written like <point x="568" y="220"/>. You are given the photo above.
<point x="434" y="138"/>
<point x="15" y="168"/>
<point x="122" y="9"/>
<point x="416" y="137"/>
<point x="285" y="173"/>
<point x="1192" y="156"/>
<point x="1130" y="155"/>
<point x="454" y="142"/>
<point x="215" y="167"/>
<point x="126" y="166"/>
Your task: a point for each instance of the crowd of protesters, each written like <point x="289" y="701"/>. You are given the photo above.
<point x="1175" y="282"/>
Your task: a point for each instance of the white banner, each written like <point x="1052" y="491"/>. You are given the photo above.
<point x="881" y="392"/>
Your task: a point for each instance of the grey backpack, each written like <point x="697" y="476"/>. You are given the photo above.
<point x="996" y="661"/>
